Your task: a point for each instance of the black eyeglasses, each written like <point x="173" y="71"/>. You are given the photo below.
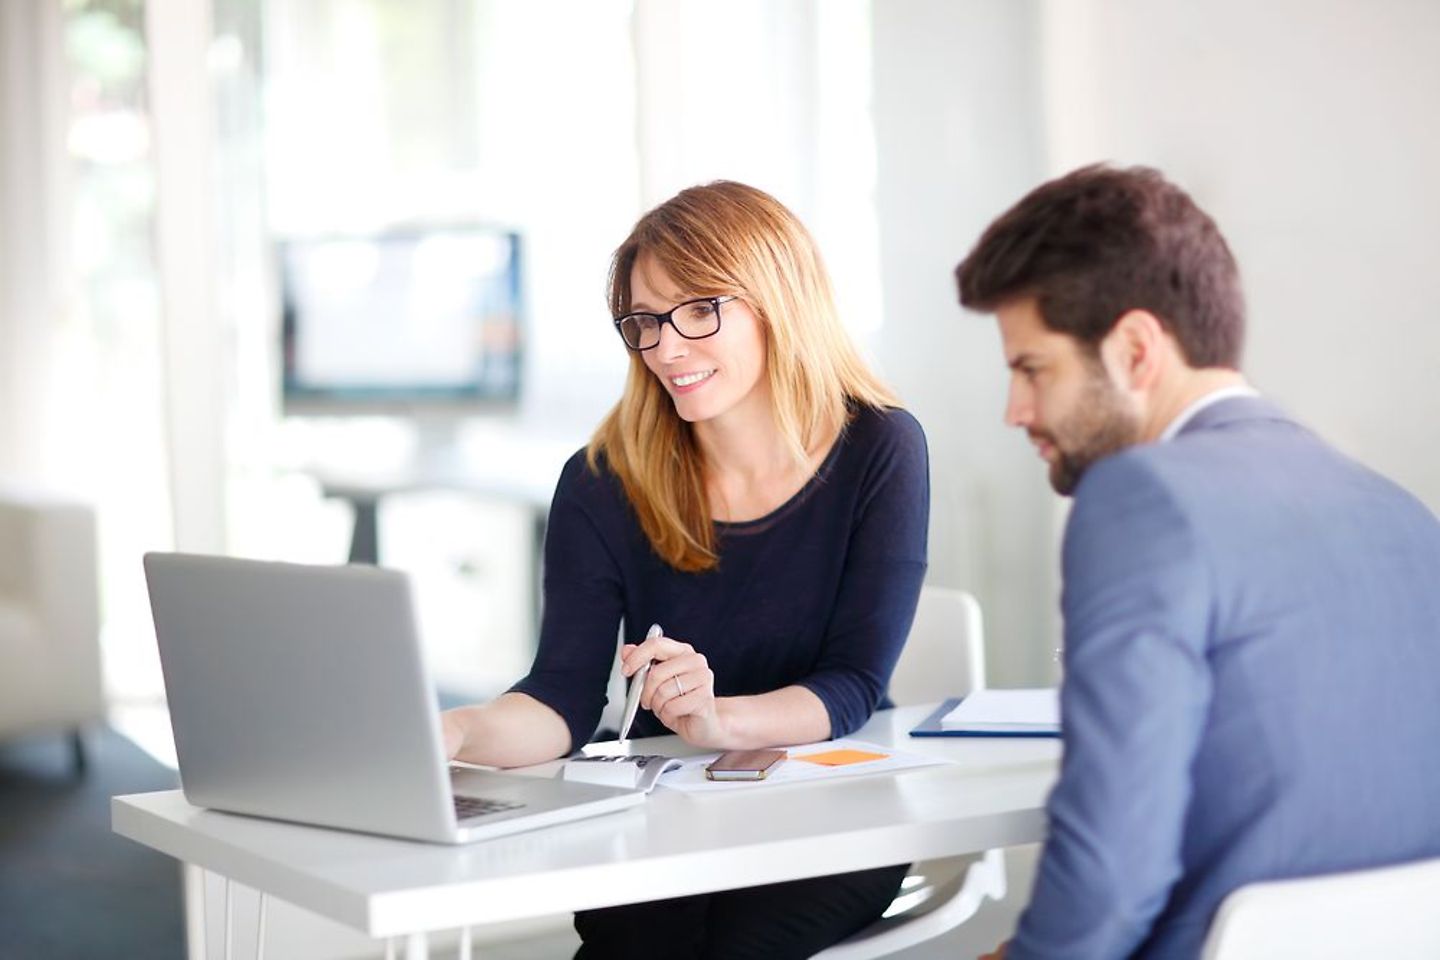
<point x="693" y="320"/>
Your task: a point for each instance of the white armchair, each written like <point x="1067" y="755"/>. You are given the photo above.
<point x="49" y="616"/>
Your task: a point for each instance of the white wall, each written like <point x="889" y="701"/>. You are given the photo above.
<point x="958" y="137"/>
<point x="1308" y="129"/>
<point x="776" y="95"/>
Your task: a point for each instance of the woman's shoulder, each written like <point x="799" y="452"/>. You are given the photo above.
<point x="879" y="445"/>
<point x="892" y="430"/>
<point x="592" y="485"/>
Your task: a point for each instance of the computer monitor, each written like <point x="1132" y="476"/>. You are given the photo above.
<point x="421" y="321"/>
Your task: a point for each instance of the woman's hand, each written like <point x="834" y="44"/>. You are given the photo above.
<point x="453" y="732"/>
<point x="680" y="689"/>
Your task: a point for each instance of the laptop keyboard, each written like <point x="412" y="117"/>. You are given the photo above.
<point x="468" y="808"/>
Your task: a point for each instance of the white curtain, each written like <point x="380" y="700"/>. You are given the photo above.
<point x="178" y="37"/>
<point x="32" y="98"/>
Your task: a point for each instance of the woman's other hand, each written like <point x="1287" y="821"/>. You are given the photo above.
<point x="680" y="689"/>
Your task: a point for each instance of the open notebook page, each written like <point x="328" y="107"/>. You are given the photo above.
<point x="1006" y="710"/>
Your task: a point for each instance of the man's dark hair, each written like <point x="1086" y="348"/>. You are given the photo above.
<point x="1100" y="241"/>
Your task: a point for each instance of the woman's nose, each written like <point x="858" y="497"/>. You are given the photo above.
<point x="672" y="346"/>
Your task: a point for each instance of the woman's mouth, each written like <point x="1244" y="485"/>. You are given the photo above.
<point x="688" y="381"/>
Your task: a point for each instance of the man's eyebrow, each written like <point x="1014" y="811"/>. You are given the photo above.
<point x="1020" y="359"/>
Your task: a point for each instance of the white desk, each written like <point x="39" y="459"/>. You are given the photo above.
<point x="992" y="795"/>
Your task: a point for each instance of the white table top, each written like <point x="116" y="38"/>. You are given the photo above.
<point x="991" y="795"/>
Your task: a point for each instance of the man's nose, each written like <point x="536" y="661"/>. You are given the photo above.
<point x="1019" y="411"/>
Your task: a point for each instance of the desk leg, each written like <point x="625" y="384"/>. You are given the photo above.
<point x="193" y="887"/>
<point x="465" y="944"/>
<point x="260" y="930"/>
<point x="416" y="947"/>
<point x="365" y="539"/>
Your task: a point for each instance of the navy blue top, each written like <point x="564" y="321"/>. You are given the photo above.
<point x="820" y="592"/>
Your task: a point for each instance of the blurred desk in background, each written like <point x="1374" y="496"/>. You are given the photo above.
<point x="509" y="466"/>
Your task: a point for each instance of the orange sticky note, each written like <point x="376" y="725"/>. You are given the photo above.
<point x="839" y="758"/>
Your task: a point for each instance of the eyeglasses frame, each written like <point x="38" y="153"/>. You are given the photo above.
<point x="669" y="317"/>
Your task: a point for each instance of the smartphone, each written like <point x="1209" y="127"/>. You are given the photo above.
<point x="744" y="764"/>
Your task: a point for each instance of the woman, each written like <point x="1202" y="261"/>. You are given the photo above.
<point x="756" y="492"/>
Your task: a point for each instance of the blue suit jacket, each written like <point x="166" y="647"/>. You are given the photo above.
<point x="1252" y="683"/>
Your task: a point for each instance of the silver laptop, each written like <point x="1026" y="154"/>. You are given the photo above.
<point x="300" y="693"/>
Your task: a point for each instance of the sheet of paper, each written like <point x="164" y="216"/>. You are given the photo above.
<point x="1002" y="710"/>
<point x="857" y="758"/>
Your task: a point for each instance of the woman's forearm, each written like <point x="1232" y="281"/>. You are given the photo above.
<point x="786" y="716"/>
<point x="514" y="730"/>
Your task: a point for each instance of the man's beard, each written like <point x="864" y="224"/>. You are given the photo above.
<point x="1100" y="424"/>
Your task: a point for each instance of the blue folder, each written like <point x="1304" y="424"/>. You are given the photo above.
<point x="930" y="726"/>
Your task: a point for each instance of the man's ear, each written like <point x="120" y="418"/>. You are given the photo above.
<point x="1137" y="350"/>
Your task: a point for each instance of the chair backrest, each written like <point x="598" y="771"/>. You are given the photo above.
<point x="945" y="653"/>
<point x="1385" y="912"/>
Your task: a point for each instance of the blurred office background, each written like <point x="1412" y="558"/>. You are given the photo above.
<point x="158" y="157"/>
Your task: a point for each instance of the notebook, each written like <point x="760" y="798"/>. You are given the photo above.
<point x="996" y="713"/>
<point x="300" y="693"/>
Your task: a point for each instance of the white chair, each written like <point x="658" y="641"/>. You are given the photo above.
<point x="1383" y="912"/>
<point x="943" y="657"/>
<point x="49" y="617"/>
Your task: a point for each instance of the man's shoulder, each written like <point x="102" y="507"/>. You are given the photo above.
<point x="1245" y="474"/>
<point x="1128" y="472"/>
<point x="1170" y="488"/>
<point x="1234" y="438"/>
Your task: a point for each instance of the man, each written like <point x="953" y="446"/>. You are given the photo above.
<point x="1252" y="620"/>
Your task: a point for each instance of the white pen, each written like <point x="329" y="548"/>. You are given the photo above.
<point x="637" y="683"/>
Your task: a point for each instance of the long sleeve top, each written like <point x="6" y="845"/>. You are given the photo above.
<point x="821" y="592"/>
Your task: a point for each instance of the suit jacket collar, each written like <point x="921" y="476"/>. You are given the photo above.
<point x="1235" y="410"/>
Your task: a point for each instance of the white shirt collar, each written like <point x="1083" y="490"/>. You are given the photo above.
<point x="1215" y="396"/>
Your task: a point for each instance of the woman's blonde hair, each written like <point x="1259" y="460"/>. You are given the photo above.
<point x="725" y="238"/>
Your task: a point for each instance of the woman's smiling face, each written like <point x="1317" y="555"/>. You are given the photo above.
<point x="707" y="378"/>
